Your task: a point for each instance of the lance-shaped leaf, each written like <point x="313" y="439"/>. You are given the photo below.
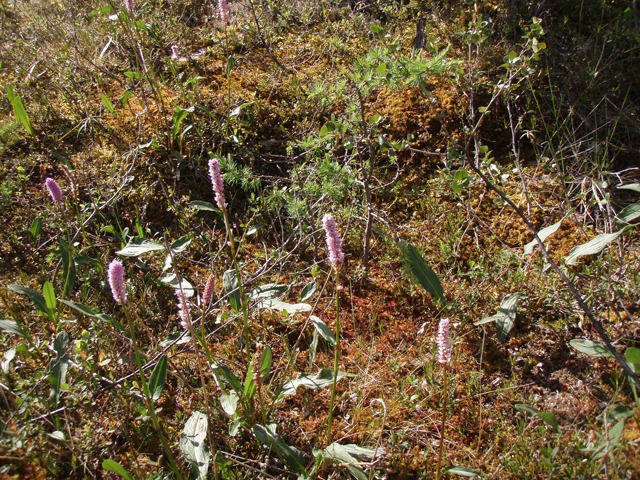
<point x="138" y="246"/>
<point x="9" y="326"/>
<point x="420" y="272"/>
<point x="308" y="290"/>
<point x="323" y="378"/>
<point x="230" y="282"/>
<point x="337" y="452"/>
<point x="114" y="467"/>
<point x="266" y="361"/>
<point x="19" y="110"/>
<point x="89" y="311"/>
<point x="290" y="308"/>
<point x="324" y="330"/>
<point x="179" y="283"/>
<point x="591" y="348"/>
<point x="632" y="356"/>
<point x="158" y="379"/>
<point x="542" y="235"/>
<point x="36" y="297"/>
<point x="290" y="455"/>
<point x="58" y="366"/>
<point x="506" y="316"/>
<point x="463" y="471"/>
<point x="595" y="245"/>
<point x="269" y="290"/>
<point x="629" y="213"/>
<point x="192" y="444"/>
<point x="547" y="417"/>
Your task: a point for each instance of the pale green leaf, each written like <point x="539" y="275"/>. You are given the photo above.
<point x="589" y="347"/>
<point x="420" y="272"/>
<point x="337" y="452"/>
<point x="630" y="213"/>
<point x="596" y="245"/>
<point x="324" y="330"/>
<point x="322" y="379"/>
<point x="543" y="234"/>
<point x="192" y="444"/>
<point x="463" y="471"/>
<point x="138" y="246"/>
<point x="290" y="308"/>
<point x="290" y="455"/>
<point x="506" y="315"/>
<point x="158" y="379"/>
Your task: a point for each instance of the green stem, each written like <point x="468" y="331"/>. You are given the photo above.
<point x="149" y="403"/>
<point x="336" y="358"/>
<point x="444" y="418"/>
<point x="243" y="300"/>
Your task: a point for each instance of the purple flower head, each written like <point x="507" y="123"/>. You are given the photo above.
<point x="183" y="308"/>
<point x="115" y="274"/>
<point x="217" y="182"/>
<point x="207" y="294"/>
<point x="224" y="11"/>
<point x="54" y="189"/>
<point x="444" y="341"/>
<point x="334" y="242"/>
<point x="175" y="51"/>
<point x="129" y="5"/>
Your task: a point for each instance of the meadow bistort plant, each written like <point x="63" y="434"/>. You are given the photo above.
<point x="334" y="242"/>
<point x="129" y="5"/>
<point x="224" y="11"/>
<point x="444" y="341"/>
<point x="217" y="182"/>
<point x="54" y="189"/>
<point x="115" y="274"/>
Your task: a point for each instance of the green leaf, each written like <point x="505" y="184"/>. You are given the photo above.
<point x="58" y="366"/>
<point x="230" y="282"/>
<point x="463" y="471"/>
<point x="138" y="246"/>
<point x="550" y="419"/>
<point x="631" y="186"/>
<point x="230" y="64"/>
<point x="200" y="205"/>
<point x="506" y="315"/>
<point x="547" y="417"/>
<point x="19" y="110"/>
<point x="158" y="379"/>
<point x="589" y="347"/>
<point x="324" y="330"/>
<point x="229" y="402"/>
<point x="322" y="379"/>
<point x="107" y="103"/>
<point x="36" y="297"/>
<point x="308" y="290"/>
<point x="68" y="267"/>
<point x="543" y="234"/>
<point x="337" y="452"/>
<point x="290" y="455"/>
<point x="632" y="356"/>
<point x="459" y="180"/>
<point x="266" y="362"/>
<point x="12" y="327"/>
<point x="596" y="245"/>
<point x="290" y="308"/>
<point x="181" y="245"/>
<point x="230" y="377"/>
<point x="114" y="467"/>
<point x="420" y="272"/>
<point x="173" y="280"/>
<point x="269" y="290"/>
<point x="192" y="444"/>
<point x="249" y="384"/>
<point x="89" y="311"/>
<point x="629" y="213"/>
<point x="49" y="296"/>
<point x="36" y="228"/>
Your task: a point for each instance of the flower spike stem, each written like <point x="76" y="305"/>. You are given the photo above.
<point x="147" y="399"/>
<point x="444" y="419"/>
<point x="336" y="357"/>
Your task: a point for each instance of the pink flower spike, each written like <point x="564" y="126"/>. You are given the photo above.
<point x="115" y="274"/>
<point x="207" y="294"/>
<point x="217" y="182"/>
<point x="129" y="5"/>
<point x="444" y="341"/>
<point x="334" y="242"/>
<point x="224" y="11"/>
<point x="54" y="189"/>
